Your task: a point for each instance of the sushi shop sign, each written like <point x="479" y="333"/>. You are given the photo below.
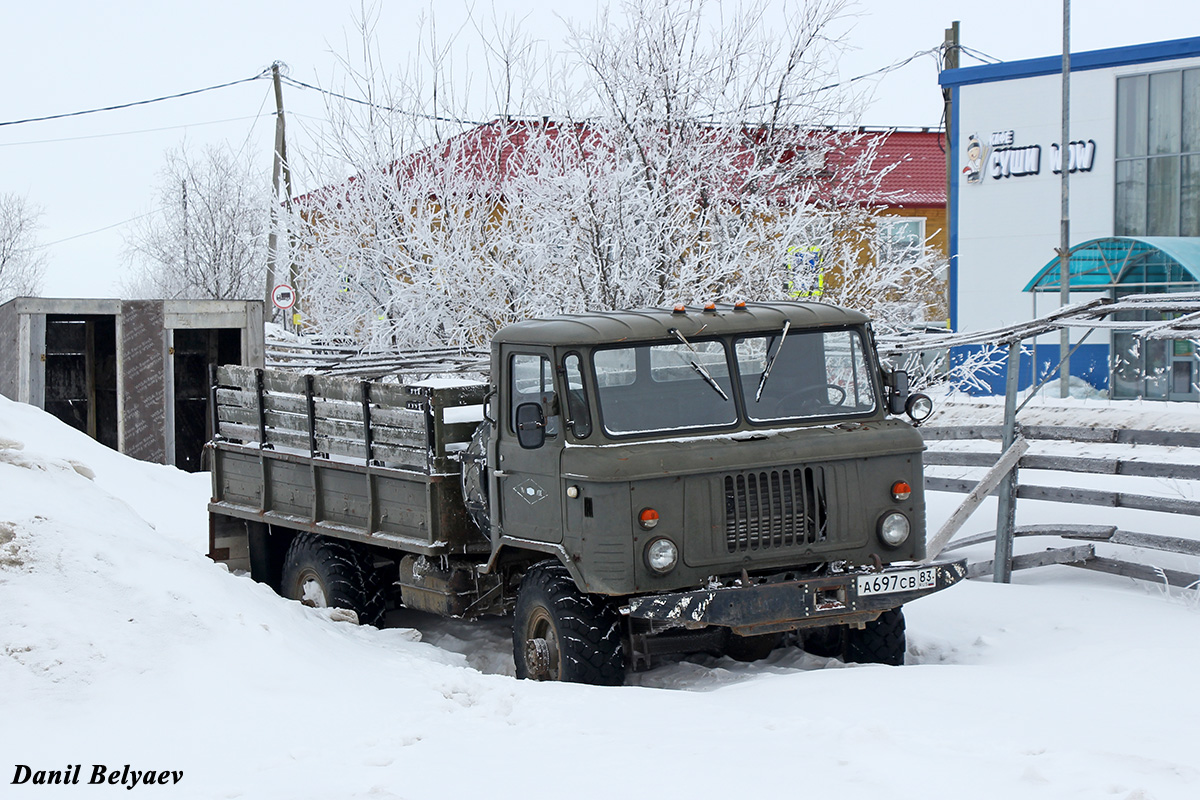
<point x="1001" y="156"/>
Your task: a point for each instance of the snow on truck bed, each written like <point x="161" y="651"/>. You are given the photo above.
<point x="123" y="645"/>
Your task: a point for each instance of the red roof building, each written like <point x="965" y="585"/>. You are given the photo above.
<point x="912" y="163"/>
<point x="904" y="180"/>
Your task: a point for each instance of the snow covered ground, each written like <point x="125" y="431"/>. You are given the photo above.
<point x="123" y="645"/>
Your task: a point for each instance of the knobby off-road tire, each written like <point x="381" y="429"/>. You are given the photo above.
<point x="881" y="642"/>
<point x="327" y="573"/>
<point x="561" y="634"/>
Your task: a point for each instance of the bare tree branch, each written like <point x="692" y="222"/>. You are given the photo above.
<point x="690" y="160"/>
<point x="22" y="263"/>
<point x="207" y="238"/>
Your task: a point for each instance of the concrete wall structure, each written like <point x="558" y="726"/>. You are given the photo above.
<point x="132" y="374"/>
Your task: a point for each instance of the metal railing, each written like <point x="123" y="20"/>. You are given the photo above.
<point x="1005" y="466"/>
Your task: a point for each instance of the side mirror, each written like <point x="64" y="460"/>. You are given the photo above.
<point x="531" y="426"/>
<point x="898" y="398"/>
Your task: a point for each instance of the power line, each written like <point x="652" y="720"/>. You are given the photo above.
<point x="45" y="245"/>
<point x="437" y="118"/>
<point x="978" y="55"/>
<point x="256" y="118"/>
<point x="129" y="133"/>
<point x="882" y="70"/>
<point x="259" y="76"/>
<point x="100" y="230"/>
<point x="431" y="117"/>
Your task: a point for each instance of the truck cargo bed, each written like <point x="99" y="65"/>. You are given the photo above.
<point x="366" y="461"/>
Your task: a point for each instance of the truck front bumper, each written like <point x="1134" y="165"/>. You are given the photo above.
<point x="766" y="605"/>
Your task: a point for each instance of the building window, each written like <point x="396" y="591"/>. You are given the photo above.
<point x="1158" y="154"/>
<point x="900" y="240"/>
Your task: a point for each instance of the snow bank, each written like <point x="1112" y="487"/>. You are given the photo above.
<point x="122" y="644"/>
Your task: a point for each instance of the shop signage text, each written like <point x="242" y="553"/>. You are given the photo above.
<point x="1083" y="156"/>
<point x="1003" y="159"/>
<point x="1009" y="162"/>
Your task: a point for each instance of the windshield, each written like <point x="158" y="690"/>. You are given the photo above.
<point x="812" y="374"/>
<point x="665" y="387"/>
<point x="662" y="388"/>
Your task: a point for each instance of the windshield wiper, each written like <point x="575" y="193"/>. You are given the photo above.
<point x="766" y="373"/>
<point x="708" y="378"/>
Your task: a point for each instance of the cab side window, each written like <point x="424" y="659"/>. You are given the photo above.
<point x="579" y="415"/>
<point x="533" y="382"/>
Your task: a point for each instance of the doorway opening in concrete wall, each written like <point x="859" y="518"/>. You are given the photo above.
<point x="81" y="373"/>
<point x="193" y="352"/>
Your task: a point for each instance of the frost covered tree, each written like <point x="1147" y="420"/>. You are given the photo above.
<point x="688" y="155"/>
<point x="206" y="238"/>
<point x="22" y="264"/>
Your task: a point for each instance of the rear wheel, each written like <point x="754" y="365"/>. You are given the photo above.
<point x="880" y="642"/>
<point x="561" y="634"/>
<point x="751" y="648"/>
<point x="327" y="573"/>
<point x="829" y="642"/>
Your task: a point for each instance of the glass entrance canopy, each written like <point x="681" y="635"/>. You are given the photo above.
<point x="1127" y="264"/>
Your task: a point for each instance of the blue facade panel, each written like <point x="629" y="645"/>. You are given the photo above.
<point x="1089" y="363"/>
<point x="1091" y="59"/>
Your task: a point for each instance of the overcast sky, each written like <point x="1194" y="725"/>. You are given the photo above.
<point x="92" y="174"/>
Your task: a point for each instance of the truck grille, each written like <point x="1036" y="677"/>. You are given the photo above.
<point x="776" y="508"/>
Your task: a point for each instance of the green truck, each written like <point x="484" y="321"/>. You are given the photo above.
<point x="629" y="485"/>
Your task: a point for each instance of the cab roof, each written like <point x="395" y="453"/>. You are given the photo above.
<point x="648" y="324"/>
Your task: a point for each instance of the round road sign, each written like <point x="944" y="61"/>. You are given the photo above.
<point x="283" y="296"/>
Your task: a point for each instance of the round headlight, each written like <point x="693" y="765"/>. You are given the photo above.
<point x="662" y="555"/>
<point x="893" y="529"/>
<point x="918" y="407"/>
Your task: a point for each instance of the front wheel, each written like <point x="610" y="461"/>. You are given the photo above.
<point x="561" y="634"/>
<point x="880" y="642"/>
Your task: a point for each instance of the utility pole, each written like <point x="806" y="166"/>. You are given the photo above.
<point x="187" y="264"/>
<point x="279" y="165"/>
<point x="950" y="51"/>
<point x="1064" y="245"/>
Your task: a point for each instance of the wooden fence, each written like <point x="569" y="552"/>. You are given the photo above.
<point x="1081" y="555"/>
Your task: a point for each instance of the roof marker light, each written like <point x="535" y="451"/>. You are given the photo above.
<point x="680" y="309"/>
<point x="711" y="307"/>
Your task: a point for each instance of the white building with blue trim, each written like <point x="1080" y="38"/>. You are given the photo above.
<point x="1134" y="162"/>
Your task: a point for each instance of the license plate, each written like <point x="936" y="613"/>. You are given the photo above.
<point x="910" y="580"/>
